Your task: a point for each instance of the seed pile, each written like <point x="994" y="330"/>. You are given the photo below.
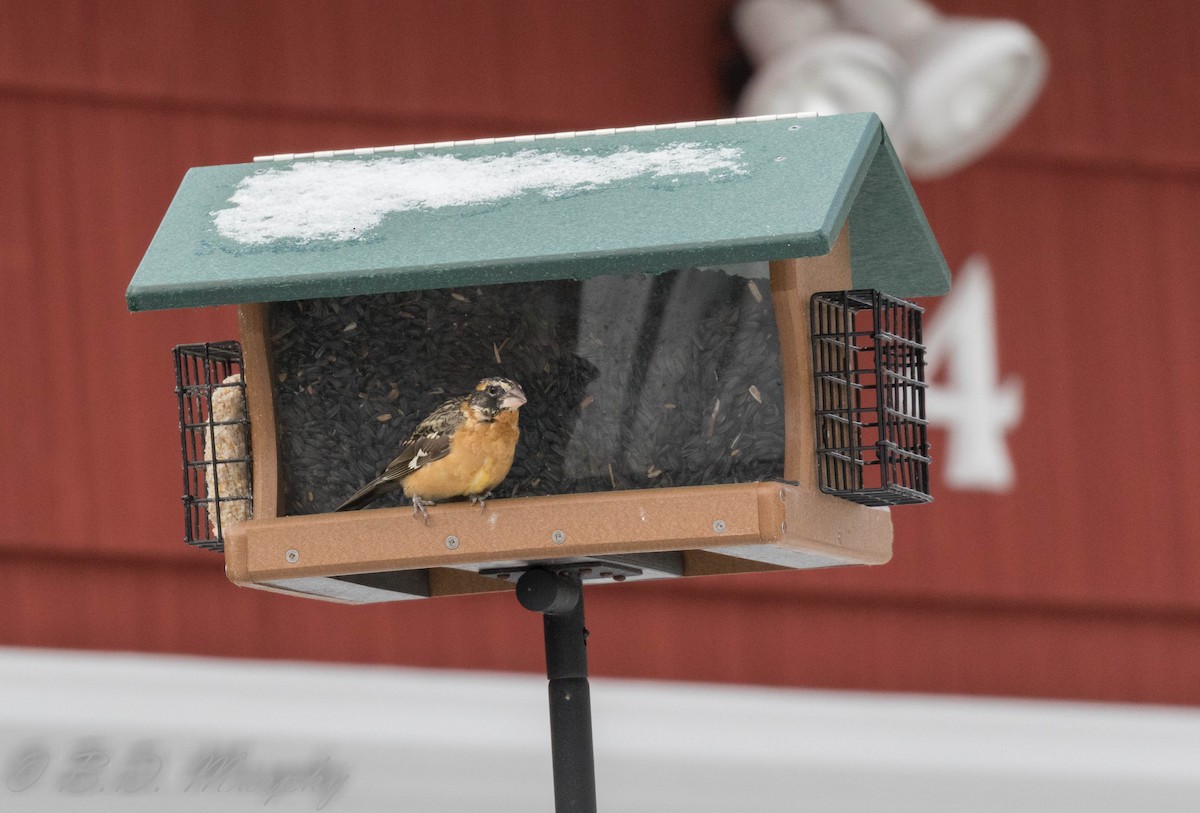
<point x="633" y="381"/>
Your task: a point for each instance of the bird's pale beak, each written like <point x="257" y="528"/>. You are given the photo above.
<point x="514" y="399"/>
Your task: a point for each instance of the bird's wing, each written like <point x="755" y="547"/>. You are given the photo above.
<point x="429" y="441"/>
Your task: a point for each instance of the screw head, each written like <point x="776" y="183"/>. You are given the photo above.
<point x="719" y="526"/>
<point x="558" y="537"/>
<point x="292" y="556"/>
<point x="452" y="542"/>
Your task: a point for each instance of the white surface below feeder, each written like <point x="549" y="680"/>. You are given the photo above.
<point x="362" y="740"/>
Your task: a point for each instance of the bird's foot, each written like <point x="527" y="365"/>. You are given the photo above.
<point x="419" y="506"/>
<point x="480" y="499"/>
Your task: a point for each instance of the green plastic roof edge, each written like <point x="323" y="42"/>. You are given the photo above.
<point x="754" y="190"/>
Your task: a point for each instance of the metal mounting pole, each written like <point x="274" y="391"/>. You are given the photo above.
<point x="559" y="598"/>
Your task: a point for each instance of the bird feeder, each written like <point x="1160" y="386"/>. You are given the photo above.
<point x="708" y="320"/>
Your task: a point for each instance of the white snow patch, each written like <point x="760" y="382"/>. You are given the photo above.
<point x="342" y="200"/>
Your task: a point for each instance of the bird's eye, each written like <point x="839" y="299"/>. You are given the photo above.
<point x="494" y="390"/>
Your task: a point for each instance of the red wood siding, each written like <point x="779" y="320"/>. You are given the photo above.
<point x="1082" y="582"/>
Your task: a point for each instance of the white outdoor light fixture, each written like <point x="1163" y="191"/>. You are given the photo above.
<point x="947" y="88"/>
<point x="970" y="80"/>
<point x="805" y="62"/>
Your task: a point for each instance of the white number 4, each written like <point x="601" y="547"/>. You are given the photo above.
<point x="971" y="403"/>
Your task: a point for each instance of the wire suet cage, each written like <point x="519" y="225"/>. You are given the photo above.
<point x="869" y="392"/>
<point x="214" y="441"/>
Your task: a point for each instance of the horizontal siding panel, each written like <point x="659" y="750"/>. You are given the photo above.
<point x="90" y="436"/>
<point x="1118" y="94"/>
<point x="97" y="416"/>
<point x="638" y="631"/>
<point x="1083" y="582"/>
<point x="1124" y="77"/>
<point x="1093" y="287"/>
<point x="473" y="61"/>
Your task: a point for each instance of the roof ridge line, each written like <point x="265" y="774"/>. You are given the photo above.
<point x="434" y="145"/>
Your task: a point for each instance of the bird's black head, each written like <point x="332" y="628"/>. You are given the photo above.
<point x="493" y="396"/>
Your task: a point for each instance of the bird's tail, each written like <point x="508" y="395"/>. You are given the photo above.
<point x="364" y="496"/>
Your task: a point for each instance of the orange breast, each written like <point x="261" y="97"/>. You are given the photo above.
<point x="479" y="459"/>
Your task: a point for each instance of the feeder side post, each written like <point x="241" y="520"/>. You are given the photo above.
<point x="793" y="282"/>
<point x="254" y="328"/>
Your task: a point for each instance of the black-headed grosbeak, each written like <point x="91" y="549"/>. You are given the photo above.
<point x="463" y="449"/>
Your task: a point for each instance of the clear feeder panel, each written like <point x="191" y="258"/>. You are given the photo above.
<point x="633" y="381"/>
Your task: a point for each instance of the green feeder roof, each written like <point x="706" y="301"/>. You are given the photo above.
<point x="632" y="200"/>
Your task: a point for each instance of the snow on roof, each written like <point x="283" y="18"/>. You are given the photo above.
<point x="344" y="200"/>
